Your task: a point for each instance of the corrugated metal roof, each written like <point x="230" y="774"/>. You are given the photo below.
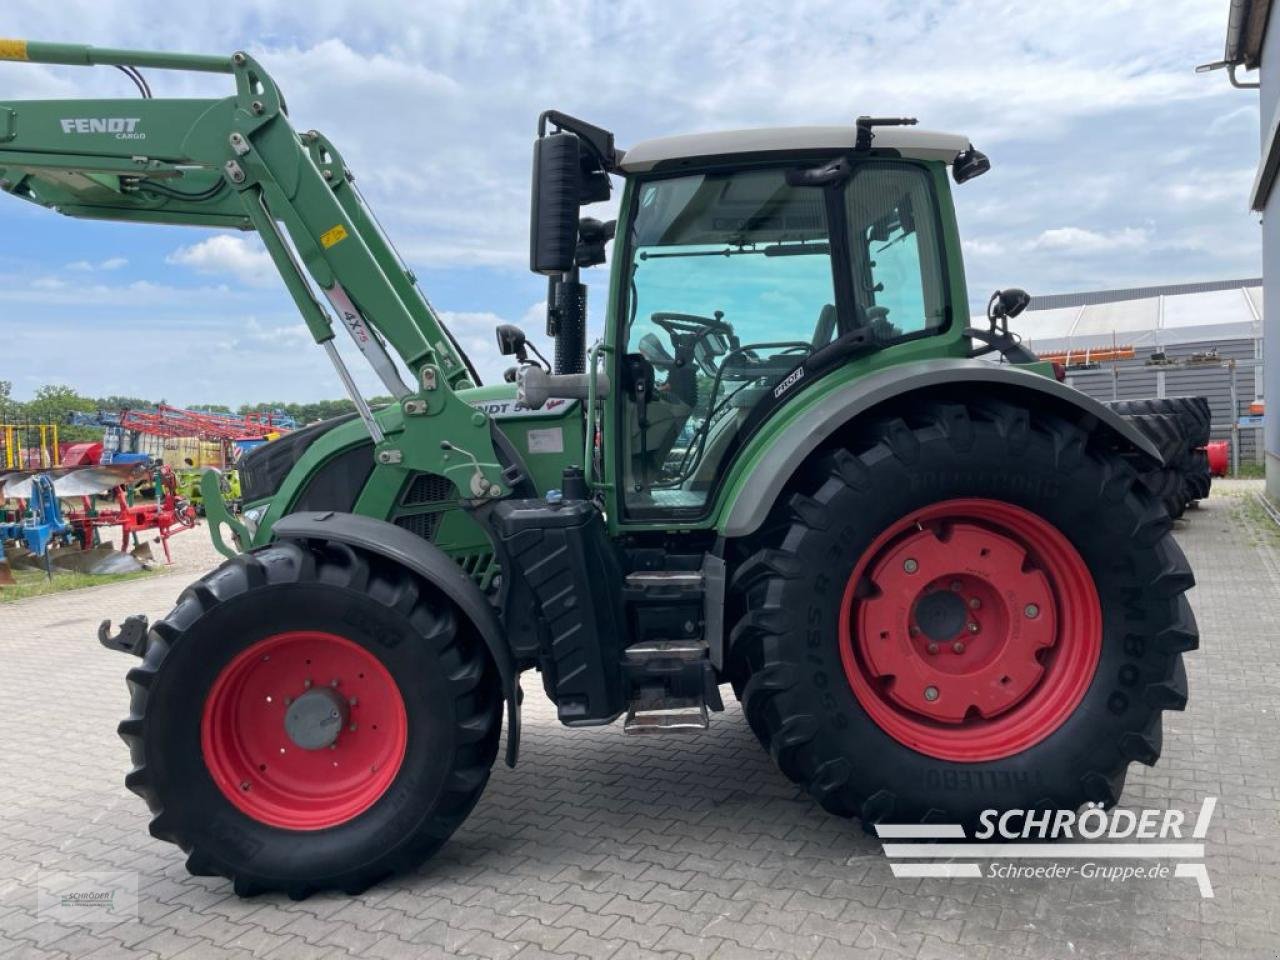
<point x="1145" y="318"/>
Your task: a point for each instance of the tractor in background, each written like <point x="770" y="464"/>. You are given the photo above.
<point x="794" y="468"/>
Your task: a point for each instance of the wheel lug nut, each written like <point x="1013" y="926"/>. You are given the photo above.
<point x="333" y="683"/>
<point x="352" y="728"/>
<point x="306" y="684"/>
<point x="933" y="648"/>
<point x="958" y="647"/>
<point x="931" y="693"/>
<point x="244" y="785"/>
<point x="910" y="565"/>
<point x="973" y="628"/>
<point x="1031" y="610"/>
<point x="352" y="701"/>
<point x="975" y="603"/>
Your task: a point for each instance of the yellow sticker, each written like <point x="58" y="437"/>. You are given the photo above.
<point x="13" y="49"/>
<point x="333" y="235"/>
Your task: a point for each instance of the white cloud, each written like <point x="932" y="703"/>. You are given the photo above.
<point x="1214" y="188"/>
<point x="978" y="247"/>
<point x="223" y="254"/>
<point x="1077" y="240"/>
<point x="87" y="266"/>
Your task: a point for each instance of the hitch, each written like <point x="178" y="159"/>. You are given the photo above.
<point x="132" y="637"/>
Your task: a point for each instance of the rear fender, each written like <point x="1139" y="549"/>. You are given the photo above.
<point x="434" y="566"/>
<point x="828" y="412"/>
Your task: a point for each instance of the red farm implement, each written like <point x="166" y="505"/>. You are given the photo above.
<point x="167" y="514"/>
<point x="163" y="421"/>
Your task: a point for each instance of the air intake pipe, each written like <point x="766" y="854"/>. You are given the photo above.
<point x="567" y="321"/>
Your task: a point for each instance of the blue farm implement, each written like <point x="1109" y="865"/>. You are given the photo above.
<point x="39" y="523"/>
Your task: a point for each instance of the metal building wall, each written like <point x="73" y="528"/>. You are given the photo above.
<point x="1269" y="105"/>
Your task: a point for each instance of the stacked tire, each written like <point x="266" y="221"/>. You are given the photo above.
<point x="1179" y="428"/>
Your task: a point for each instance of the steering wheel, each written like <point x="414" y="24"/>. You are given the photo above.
<point x="678" y="324"/>
<point x="688" y="333"/>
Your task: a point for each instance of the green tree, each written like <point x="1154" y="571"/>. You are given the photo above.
<point x="118" y="403"/>
<point x="54" y="403"/>
<point x="11" y="411"/>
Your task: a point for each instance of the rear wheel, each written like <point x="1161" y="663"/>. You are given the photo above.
<point x="973" y="607"/>
<point x="310" y="717"/>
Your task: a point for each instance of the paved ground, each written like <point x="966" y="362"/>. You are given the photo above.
<point x="601" y="846"/>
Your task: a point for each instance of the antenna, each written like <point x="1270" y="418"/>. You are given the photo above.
<point x="866" y="135"/>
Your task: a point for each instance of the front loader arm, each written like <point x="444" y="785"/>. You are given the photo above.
<point x="237" y="162"/>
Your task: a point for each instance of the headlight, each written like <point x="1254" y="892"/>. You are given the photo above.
<point x="251" y="518"/>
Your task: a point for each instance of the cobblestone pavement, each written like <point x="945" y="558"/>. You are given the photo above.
<point x="605" y="847"/>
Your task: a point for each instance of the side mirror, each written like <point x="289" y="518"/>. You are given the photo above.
<point x="511" y="340"/>
<point x="1007" y="304"/>
<point x="553" y="213"/>
<point x="592" y="236"/>
<point x="969" y="164"/>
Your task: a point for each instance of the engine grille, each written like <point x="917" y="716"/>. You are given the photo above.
<point x="428" y="488"/>
<point x="420" y="524"/>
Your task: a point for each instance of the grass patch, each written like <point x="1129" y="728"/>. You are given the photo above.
<point x="1262" y="529"/>
<point x="1251" y="471"/>
<point x="34" y="583"/>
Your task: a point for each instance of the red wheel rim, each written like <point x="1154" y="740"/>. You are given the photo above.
<point x="970" y="630"/>
<point x="304" y="730"/>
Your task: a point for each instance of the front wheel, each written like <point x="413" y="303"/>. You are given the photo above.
<point x="974" y="607"/>
<point x="309" y="717"/>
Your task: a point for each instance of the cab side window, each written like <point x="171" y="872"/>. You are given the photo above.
<point x="897" y="266"/>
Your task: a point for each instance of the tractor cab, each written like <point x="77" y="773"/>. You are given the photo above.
<point x="747" y="266"/>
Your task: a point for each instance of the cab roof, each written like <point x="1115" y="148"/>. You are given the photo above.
<point x="908" y="141"/>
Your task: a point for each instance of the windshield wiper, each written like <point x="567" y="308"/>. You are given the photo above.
<point x="773" y="250"/>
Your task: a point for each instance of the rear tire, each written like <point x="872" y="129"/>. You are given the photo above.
<point x="859" y="752"/>
<point x="200" y="726"/>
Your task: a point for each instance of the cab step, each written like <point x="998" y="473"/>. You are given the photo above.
<point x="672" y="715"/>
<point x="651" y="650"/>
<point x="669" y="680"/>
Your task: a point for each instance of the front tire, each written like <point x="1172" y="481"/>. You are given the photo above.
<point x="310" y="717"/>
<point x="1078" y="604"/>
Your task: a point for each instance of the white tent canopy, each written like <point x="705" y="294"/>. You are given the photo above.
<point x="1149" y="318"/>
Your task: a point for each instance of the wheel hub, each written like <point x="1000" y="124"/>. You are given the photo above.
<point x="970" y="629"/>
<point x="315" y="719"/>
<point x="941" y="615"/>
<point x="304" y="730"/>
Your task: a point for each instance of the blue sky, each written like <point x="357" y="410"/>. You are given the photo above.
<point x="1113" y="163"/>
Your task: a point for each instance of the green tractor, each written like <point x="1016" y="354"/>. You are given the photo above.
<point x="792" y="464"/>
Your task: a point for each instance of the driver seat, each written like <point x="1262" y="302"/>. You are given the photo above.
<point x="826" y="326"/>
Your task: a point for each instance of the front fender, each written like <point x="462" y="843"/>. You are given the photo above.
<point x="433" y="565"/>
<point x="782" y="451"/>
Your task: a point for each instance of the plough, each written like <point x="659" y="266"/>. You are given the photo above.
<point x="40" y="524"/>
<point x="167" y="514"/>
